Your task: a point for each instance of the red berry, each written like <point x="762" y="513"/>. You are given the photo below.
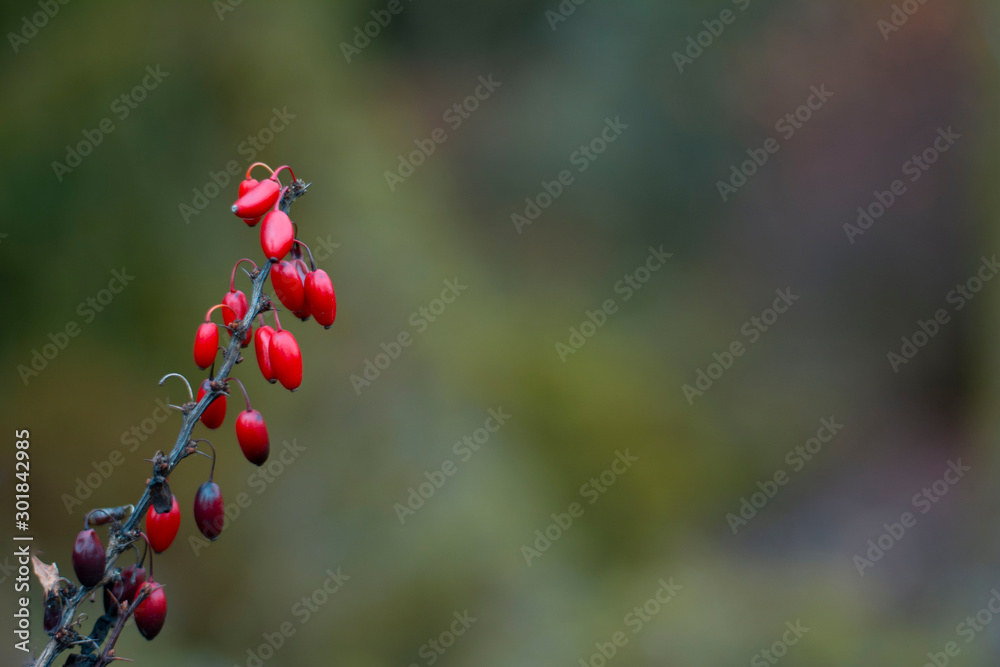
<point x="215" y="413"/>
<point x="161" y="529"/>
<point x="206" y="345"/>
<point x="237" y="302"/>
<point x="262" y="345"/>
<point x="303" y="313"/>
<point x="286" y="359"/>
<point x="277" y="235"/>
<point x="209" y="512"/>
<point x="255" y="203"/>
<point x="133" y="577"/>
<point x="288" y="285"/>
<point x="321" y="298"/>
<point x="151" y="613"/>
<point x="247" y="185"/>
<point x="251" y="433"/>
<point x="88" y="557"/>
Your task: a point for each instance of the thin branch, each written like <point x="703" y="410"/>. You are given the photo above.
<point x="123" y="535"/>
<point x="107" y="656"/>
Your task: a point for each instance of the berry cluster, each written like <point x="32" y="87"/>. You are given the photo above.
<point x="304" y="290"/>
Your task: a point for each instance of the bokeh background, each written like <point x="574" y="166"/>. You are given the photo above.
<point x="390" y="251"/>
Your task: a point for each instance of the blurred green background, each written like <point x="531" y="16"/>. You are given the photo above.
<point x="389" y="251"/>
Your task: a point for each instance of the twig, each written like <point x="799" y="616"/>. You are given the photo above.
<point x="122" y="535"/>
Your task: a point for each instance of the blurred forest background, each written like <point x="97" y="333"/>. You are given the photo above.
<point x="390" y="250"/>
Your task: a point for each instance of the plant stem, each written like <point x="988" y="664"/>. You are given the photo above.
<point x="122" y="536"/>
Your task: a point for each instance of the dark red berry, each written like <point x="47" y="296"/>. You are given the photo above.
<point x="321" y="298"/>
<point x="88" y="557"/>
<point x="256" y="202"/>
<point x="161" y="529"/>
<point x="276" y="235"/>
<point x="238" y="307"/>
<point x="133" y="577"/>
<point x="113" y="597"/>
<point x="151" y="613"/>
<point x="53" y="612"/>
<point x="251" y="433"/>
<point x="215" y="413"/>
<point x="206" y="344"/>
<point x="262" y="345"/>
<point x="209" y="512"/>
<point x="286" y="359"/>
<point x="288" y="285"/>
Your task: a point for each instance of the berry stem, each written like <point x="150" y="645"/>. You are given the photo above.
<point x="257" y="164"/>
<point x="277" y="171"/>
<point x="245" y="394"/>
<point x="211" y="473"/>
<point x="208" y="315"/>
<point x="140" y="557"/>
<point x="149" y="548"/>
<point x="186" y="383"/>
<point x="232" y="277"/>
<point x="312" y="262"/>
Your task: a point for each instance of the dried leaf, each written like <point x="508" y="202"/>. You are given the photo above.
<point x="163" y="500"/>
<point x="47" y="574"/>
